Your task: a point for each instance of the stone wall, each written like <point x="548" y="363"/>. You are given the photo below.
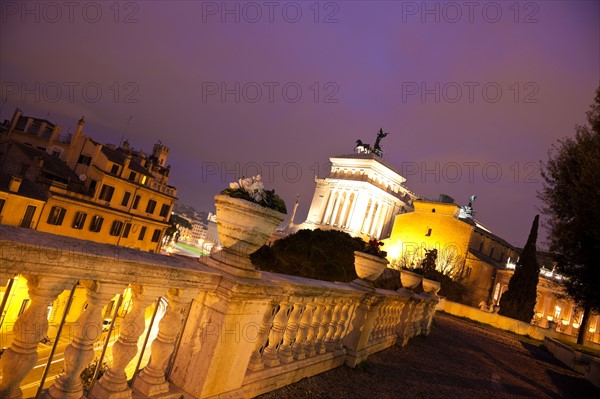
<point x="222" y="334"/>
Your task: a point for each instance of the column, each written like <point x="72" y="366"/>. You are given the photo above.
<point x="351" y="224"/>
<point x="29" y="329"/>
<point x="375" y="220"/>
<point x="327" y="210"/>
<point x="331" y="218"/>
<point x="88" y="328"/>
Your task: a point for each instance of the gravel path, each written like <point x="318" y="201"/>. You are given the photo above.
<point x="457" y="360"/>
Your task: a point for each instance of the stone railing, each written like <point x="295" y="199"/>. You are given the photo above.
<point x="221" y="334"/>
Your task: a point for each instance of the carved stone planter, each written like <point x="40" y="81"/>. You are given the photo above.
<point x="430" y="286"/>
<point x="409" y="280"/>
<point x="369" y="267"/>
<point x="243" y="227"/>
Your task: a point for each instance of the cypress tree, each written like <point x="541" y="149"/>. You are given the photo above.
<point x="518" y="302"/>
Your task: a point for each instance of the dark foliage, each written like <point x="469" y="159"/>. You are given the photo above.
<point x="318" y="254"/>
<point x="570" y="195"/>
<point x="518" y="302"/>
<point x="428" y="263"/>
<point x="270" y="200"/>
<point x="373" y="247"/>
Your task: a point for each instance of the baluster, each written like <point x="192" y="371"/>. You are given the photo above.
<point x="311" y="338"/>
<point x="80" y="352"/>
<point x="302" y="333"/>
<point x="329" y="337"/>
<point x="114" y="382"/>
<point x="151" y="380"/>
<point x="323" y="328"/>
<point x="416" y="324"/>
<point x="382" y="320"/>
<point x="389" y="328"/>
<point x="270" y="355"/>
<point x="285" y="350"/>
<point x="405" y="321"/>
<point x="428" y="316"/>
<point x="396" y="319"/>
<point x="341" y="329"/>
<point x="29" y="329"/>
<point x="256" y="361"/>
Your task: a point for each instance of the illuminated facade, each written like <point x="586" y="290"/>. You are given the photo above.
<point x="553" y="308"/>
<point x="361" y="196"/>
<point x="74" y="186"/>
<point x="467" y="250"/>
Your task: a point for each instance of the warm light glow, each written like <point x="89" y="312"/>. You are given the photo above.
<point x="550" y="318"/>
<point x="565" y="322"/>
<point x="592" y="330"/>
<point x="394" y="250"/>
<point x="557" y="310"/>
<point x="576" y="325"/>
<point x="510" y="265"/>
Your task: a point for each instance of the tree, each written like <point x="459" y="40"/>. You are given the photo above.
<point x="518" y="302"/>
<point x="570" y="193"/>
<point x="175" y="223"/>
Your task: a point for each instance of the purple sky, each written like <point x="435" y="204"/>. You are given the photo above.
<point x="428" y="73"/>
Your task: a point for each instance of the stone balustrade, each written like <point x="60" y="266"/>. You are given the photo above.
<point x="221" y="334"/>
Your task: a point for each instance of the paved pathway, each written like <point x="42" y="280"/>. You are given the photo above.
<point x="457" y="360"/>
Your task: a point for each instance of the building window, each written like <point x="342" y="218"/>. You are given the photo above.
<point x="557" y="310"/>
<point x="150" y="207"/>
<point x="84" y="159"/>
<point x="156" y="235"/>
<point x="96" y="223"/>
<point x="492" y="252"/>
<point x="428" y="234"/>
<point x="126" y="197"/>
<point x="115" y="229"/>
<point x="79" y="220"/>
<point x="126" y="230"/>
<point x="92" y="188"/>
<point x="143" y="179"/>
<point x="136" y="202"/>
<point x="28" y="217"/>
<point x="142" y="233"/>
<point x="115" y="169"/>
<point x="497" y="292"/>
<point x="433" y="210"/>
<point x="481" y="246"/>
<point x="164" y="210"/>
<point x="106" y="193"/>
<point x="132" y="176"/>
<point x="56" y="216"/>
<point x="2" y="202"/>
<point x="469" y="270"/>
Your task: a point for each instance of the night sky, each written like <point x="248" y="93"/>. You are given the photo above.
<point x="472" y="94"/>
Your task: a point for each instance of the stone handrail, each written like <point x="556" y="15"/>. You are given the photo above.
<point x="221" y="334"/>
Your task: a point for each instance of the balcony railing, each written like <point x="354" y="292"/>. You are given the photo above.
<point x="261" y="333"/>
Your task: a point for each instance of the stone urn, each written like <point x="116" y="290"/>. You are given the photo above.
<point x="369" y="267"/>
<point x="243" y="228"/>
<point x="409" y="280"/>
<point x="430" y="286"/>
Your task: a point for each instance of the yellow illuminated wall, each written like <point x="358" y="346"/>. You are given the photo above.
<point x="431" y="225"/>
